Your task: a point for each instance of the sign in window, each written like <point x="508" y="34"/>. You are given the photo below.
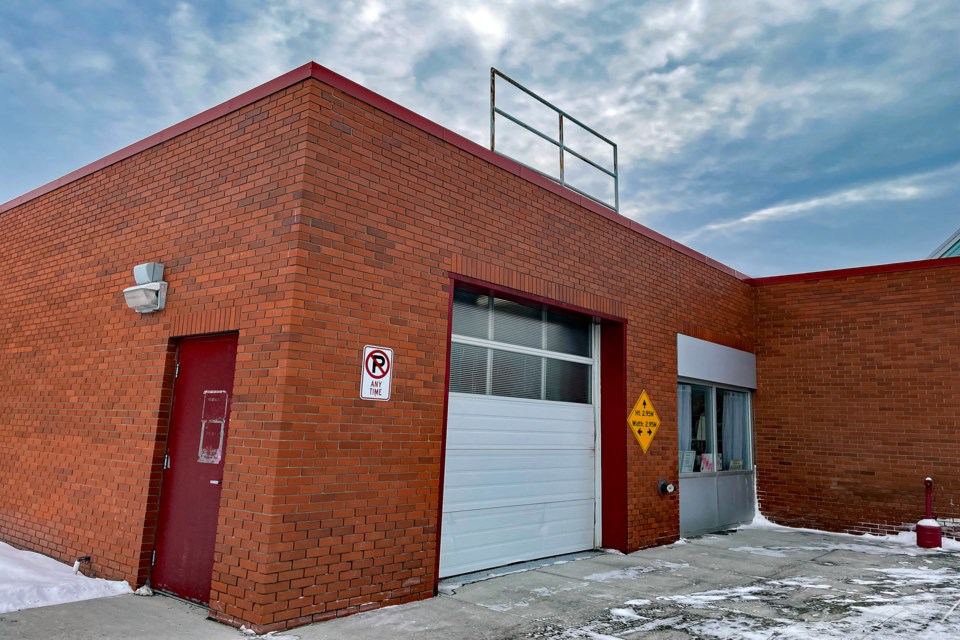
<point x="213" y="419"/>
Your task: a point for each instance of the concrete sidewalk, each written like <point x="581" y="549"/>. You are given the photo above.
<point x="753" y="583"/>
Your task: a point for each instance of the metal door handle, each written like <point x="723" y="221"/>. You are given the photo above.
<point x="216" y="482"/>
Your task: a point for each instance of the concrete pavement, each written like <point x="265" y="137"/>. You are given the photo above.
<point x="752" y="583"/>
<point x="126" y="617"/>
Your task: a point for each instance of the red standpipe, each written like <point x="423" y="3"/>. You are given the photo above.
<point x="928" y="530"/>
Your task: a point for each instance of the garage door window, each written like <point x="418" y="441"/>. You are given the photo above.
<point x="504" y="348"/>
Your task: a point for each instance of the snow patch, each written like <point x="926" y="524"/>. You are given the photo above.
<point x="250" y="633"/>
<point x="910" y="538"/>
<point x="640" y="602"/>
<point x="630" y="573"/>
<point x="907" y="576"/>
<point x="904" y="543"/>
<point x="770" y="552"/>
<point x="803" y="582"/>
<point x="34" y="580"/>
<point x="924" y="615"/>
<point x="507" y="606"/>
<point x="536" y="592"/>
<point x="593" y="635"/>
<point x="903" y="539"/>
<point x="717" y="595"/>
<point x="626" y="614"/>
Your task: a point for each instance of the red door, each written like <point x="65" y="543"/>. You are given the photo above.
<point x="193" y="474"/>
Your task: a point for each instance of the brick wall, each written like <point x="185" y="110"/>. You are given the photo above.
<point x="858" y="398"/>
<point x="85" y="382"/>
<point x="390" y="212"/>
<point x="312" y="224"/>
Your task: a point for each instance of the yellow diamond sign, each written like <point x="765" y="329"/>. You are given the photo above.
<point x="644" y="421"/>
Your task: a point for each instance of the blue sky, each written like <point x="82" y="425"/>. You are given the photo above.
<point x="775" y="136"/>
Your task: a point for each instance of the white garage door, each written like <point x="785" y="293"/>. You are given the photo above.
<point x="520" y="476"/>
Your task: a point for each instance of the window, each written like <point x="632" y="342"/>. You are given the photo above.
<point x="714" y="428"/>
<point x="733" y="432"/>
<point x="504" y="348"/>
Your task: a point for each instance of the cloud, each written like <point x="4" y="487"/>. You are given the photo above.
<point x="90" y="61"/>
<point x="921" y="186"/>
<point x="13" y="62"/>
<point x="487" y="25"/>
<point x="780" y="109"/>
<point x="195" y="62"/>
<point x="671" y="74"/>
<point x="655" y="86"/>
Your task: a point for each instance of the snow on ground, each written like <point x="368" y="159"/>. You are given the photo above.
<point x="29" y="580"/>
<point x="890" y="611"/>
<point x="902" y="602"/>
<point x="916" y="599"/>
<point x="906" y="541"/>
<point x="273" y="635"/>
<point x="633" y="573"/>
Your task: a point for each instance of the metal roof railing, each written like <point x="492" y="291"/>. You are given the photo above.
<point x="558" y="142"/>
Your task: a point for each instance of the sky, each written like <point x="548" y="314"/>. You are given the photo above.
<point x="775" y="136"/>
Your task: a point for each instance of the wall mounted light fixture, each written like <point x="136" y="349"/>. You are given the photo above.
<point x="150" y="292"/>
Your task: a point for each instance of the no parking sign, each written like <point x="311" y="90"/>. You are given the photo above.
<point x="376" y="373"/>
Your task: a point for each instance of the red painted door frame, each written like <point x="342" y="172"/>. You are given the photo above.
<point x="193" y="469"/>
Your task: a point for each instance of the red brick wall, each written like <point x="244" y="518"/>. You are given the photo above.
<point x="313" y="224"/>
<point x="390" y="213"/>
<point x="85" y="382"/>
<point x="858" y="399"/>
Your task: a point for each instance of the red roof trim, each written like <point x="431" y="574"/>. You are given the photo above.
<point x="856" y="271"/>
<point x="335" y="80"/>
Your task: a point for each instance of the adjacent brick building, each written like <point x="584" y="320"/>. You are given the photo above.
<point x="309" y="218"/>
<point x="858" y="396"/>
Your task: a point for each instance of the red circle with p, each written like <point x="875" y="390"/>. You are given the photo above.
<point x="377" y="364"/>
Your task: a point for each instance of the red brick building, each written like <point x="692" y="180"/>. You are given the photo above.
<point x="858" y="400"/>
<point x="310" y="218"/>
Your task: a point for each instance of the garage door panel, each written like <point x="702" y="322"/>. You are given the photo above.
<point x="479" y="539"/>
<point x="485" y="479"/>
<point x="519" y="481"/>
<point x="520" y="477"/>
<point x="485" y="423"/>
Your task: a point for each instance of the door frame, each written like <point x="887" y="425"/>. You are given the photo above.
<point x="714" y="496"/>
<point x="161" y="449"/>
<point x="610" y="464"/>
<point x="161" y="437"/>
